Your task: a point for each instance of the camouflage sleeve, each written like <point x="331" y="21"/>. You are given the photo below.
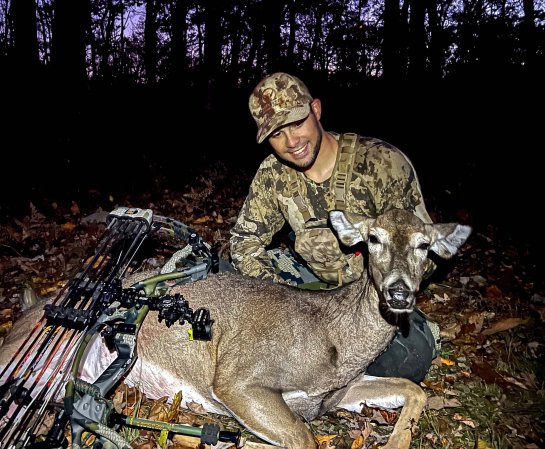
<point x="396" y="183"/>
<point x="259" y="219"/>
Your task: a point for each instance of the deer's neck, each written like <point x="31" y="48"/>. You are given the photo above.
<point x="356" y="317"/>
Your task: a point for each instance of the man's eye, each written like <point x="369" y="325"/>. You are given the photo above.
<point x="275" y="134"/>
<point x="299" y="123"/>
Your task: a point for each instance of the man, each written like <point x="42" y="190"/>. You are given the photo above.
<point x="311" y="172"/>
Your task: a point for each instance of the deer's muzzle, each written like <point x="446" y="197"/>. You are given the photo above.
<point x="399" y="296"/>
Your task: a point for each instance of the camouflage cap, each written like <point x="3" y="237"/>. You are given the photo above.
<point x="277" y="100"/>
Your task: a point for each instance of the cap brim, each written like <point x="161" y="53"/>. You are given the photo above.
<point x="280" y="119"/>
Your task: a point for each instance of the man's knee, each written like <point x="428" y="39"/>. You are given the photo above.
<point x="408" y="356"/>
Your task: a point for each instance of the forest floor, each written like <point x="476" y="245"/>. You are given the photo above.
<point x="486" y="389"/>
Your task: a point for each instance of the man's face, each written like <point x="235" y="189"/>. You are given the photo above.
<point x="298" y="143"/>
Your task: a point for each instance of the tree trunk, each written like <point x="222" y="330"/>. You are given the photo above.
<point x="150" y="42"/>
<point x="212" y="50"/>
<point x="178" y="60"/>
<point x="273" y="42"/>
<point x="417" y="41"/>
<point x="71" y="23"/>
<point x="25" y="39"/>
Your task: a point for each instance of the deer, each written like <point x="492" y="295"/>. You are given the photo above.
<point x="279" y="356"/>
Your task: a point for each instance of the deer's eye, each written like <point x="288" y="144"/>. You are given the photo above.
<point x="423" y="246"/>
<point x="373" y="239"/>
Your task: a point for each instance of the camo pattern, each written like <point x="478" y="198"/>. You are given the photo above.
<point x="277" y="100"/>
<point x="382" y="178"/>
<point x="320" y="249"/>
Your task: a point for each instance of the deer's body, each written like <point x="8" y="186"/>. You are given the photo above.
<point x="300" y="349"/>
<point x="279" y="354"/>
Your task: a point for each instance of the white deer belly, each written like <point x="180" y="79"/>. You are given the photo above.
<point x="152" y="380"/>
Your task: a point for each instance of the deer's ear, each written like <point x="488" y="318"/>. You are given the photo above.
<point x="447" y="238"/>
<point x="351" y="228"/>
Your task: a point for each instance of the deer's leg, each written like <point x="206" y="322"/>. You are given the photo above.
<point x="388" y="392"/>
<point x="264" y="413"/>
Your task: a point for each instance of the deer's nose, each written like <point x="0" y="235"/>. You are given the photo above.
<point x="399" y="295"/>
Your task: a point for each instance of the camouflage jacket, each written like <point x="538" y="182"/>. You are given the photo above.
<point x="382" y="177"/>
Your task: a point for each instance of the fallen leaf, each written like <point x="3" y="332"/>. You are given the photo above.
<point x="450" y="332"/>
<point x="464" y="419"/>
<point x="5" y="327"/>
<point x="324" y="441"/>
<point x="389" y="416"/>
<point x="439" y="402"/>
<point x="487" y="373"/>
<point x="477" y="319"/>
<point x="431" y="437"/>
<point x="186" y="441"/>
<point x="201" y="220"/>
<point x="358" y="443"/>
<point x="494" y="292"/>
<point x="118" y="401"/>
<point x="435" y="386"/>
<point x="175" y="406"/>
<point x="481" y="444"/>
<point x="441" y="299"/>
<point x="321" y="438"/>
<point x="159" y="411"/>
<point x="68" y="226"/>
<point x="502" y="325"/>
<point x="447" y="362"/>
<point x="515" y="381"/>
<point x="195" y="407"/>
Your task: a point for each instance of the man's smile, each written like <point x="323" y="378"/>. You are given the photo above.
<point x="300" y="152"/>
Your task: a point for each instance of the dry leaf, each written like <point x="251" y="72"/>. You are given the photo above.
<point x="515" y="381"/>
<point x="440" y="299"/>
<point x="176" y="402"/>
<point x="118" y="401"/>
<point x="447" y="362"/>
<point x="5" y="327"/>
<point x="431" y="437"/>
<point x="502" y="325"/>
<point x="201" y="220"/>
<point x="186" y="441"/>
<point x="68" y="226"/>
<point x="389" y="416"/>
<point x="324" y="441"/>
<point x="358" y="443"/>
<point x="494" y="292"/>
<point x="464" y="419"/>
<point x="159" y="411"/>
<point x="435" y="386"/>
<point x="477" y="319"/>
<point x="450" y="332"/>
<point x="195" y="407"/>
<point x="438" y="403"/>
<point x="481" y="444"/>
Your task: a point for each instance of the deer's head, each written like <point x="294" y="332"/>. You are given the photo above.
<point x="398" y="244"/>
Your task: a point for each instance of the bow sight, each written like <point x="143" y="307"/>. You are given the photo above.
<point x="94" y="302"/>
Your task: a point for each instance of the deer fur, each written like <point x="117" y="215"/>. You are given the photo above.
<point x="281" y="356"/>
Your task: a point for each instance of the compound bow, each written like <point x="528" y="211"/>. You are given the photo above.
<point x="94" y="302"/>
